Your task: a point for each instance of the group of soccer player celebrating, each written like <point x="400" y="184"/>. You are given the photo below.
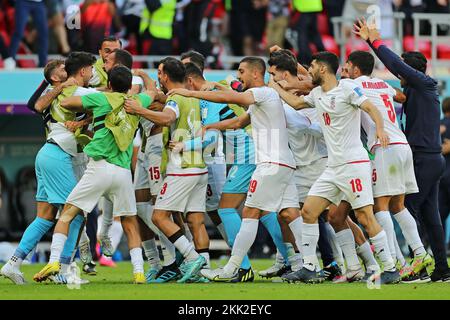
<point x="299" y="153"/>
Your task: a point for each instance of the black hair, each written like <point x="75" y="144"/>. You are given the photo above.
<point x="283" y="62"/>
<point x="120" y="78"/>
<point x="329" y="59"/>
<point x="174" y="69"/>
<point x="363" y="60"/>
<point x="77" y="60"/>
<point x="110" y="39"/>
<point x="193" y="70"/>
<point x="123" y="57"/>
<point x="446" y="105"/>
<point x="416" y="60"/>
<point x="196" y="57"/>
<point x="256" y="62"/>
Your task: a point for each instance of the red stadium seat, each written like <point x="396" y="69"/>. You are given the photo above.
<point x="322" y="24"/>
<point x="443" y="51"/>
<point x="357" y="45"/>
<point x="424" y="46"/>
<point x="330" y="44"/>
<point x="25" y="63"/>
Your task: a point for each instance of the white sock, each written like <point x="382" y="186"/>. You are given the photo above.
<point x="296" y="261"/>
<point x="365" y="253"/>
<point x="408" y="226"/>
<point x="296" y="228"/>
<point x="64" y="268"/>
<point x="168" y="250"/>
<point x="243" y="242"/>
<point x="115" y="234"/>
<point x="15" y="262"/>
<point x="136" y="260"/>
<point x="382" y="250"/>
<point x="385" y="221"/>
<point x="152" y="253"/>
<point x="188" y="233"/>
<point x="106" y="219"/>
<point x="347" y="243"/>
<point x="83" y="237"/>
<point x="399" y="254"/>
<point x="337" y="251"/>
<point x="186" y="248"/>
<point x="206" y="256"/>
<point x="57" y="246"/>
<point x="222" y="232"/>
<point x="310" y="237"/>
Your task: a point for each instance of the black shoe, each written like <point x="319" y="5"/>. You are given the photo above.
<point x="303" y="275"/>
<point x="440" y="276"/>
<point x="89" y="268"/>
<point x="167" y="274"/>
<point x="421" y="277"/>
<point x="331" y="271"/>
<point x="390" y="277"/>
<point x="244" y="275"/>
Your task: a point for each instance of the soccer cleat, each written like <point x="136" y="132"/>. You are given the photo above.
<point x="303" y="275"/>
<point x="440" y="276"/>
<point x="354" y="275"/>
<point x="339" y="279"/>
<point x="179" y="258"/>
<point x="13" y="274"/>
<point x="219" y="275"/>
<point x="106" y="245"/>
<point x="89" y="268"/>
<point x="191" y="268"/>
<point x="67" y="279"/>
<point x="390" y="277"/>
<point x="421" y="277"/>
<point x="198" y="279"/>
<point x="151" y="274"/>
<point x="139" y="278"/>
<point x="371" y="275"/>
<point x="421" y="262"/>
<point x="244" y="275"/>
<point x="276" y="270"/>
<point x="49" y="270"/>
<point x="166" y="274"/>
<point x="85" y="252"/>
<point x="106" y="262"/>
<point x="332" y="271"/>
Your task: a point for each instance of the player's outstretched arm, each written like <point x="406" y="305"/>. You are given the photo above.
<point x="373" y="112"/>
<point x="243" y="99"/>
<point x="230" y="124"/>
<point x="163" y="118"/>
<point x="72" y="103"/>
<point x="46" y="100"/>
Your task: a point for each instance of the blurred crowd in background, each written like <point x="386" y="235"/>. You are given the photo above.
<point x="216" y="28"/>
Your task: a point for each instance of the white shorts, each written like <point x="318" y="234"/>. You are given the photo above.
<point x="79" y="163"/>
<point x="105" y="179"/>
<point x="216" y="180"/>
<point x="393" y="171"/>
<point x="272" y="188"/>
<point x="305" y="176"/>
<point x="183" y="193"/>
<point x="351" y="182"/>
<point x="154" y="152"/>
<point x="141" y="173"/>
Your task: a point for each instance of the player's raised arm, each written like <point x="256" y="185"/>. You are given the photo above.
<point x="296" y="102"/>
<point x="243" y="99"/>
<point x="73" y="103"/>
<point x="373" y="112"/>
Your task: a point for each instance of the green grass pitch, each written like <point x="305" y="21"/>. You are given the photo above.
<point x="115" y="283"/>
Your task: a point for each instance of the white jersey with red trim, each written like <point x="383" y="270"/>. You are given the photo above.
<point x="340" y="119"/>
<point x="381" y="94"/>
<point x="269" y="129"/>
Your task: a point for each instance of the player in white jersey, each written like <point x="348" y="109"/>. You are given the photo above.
<point x="308" y="146"/>
<point x="272" y="187"/>
<point x="393" y="172"/>
<point x="348" y="171"/>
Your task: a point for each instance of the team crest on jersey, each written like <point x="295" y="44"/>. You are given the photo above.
<point x="333" y="102"/>
<point x="172" y="104"/>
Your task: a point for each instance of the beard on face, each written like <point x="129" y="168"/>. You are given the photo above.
<point x="316" y="80"/>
